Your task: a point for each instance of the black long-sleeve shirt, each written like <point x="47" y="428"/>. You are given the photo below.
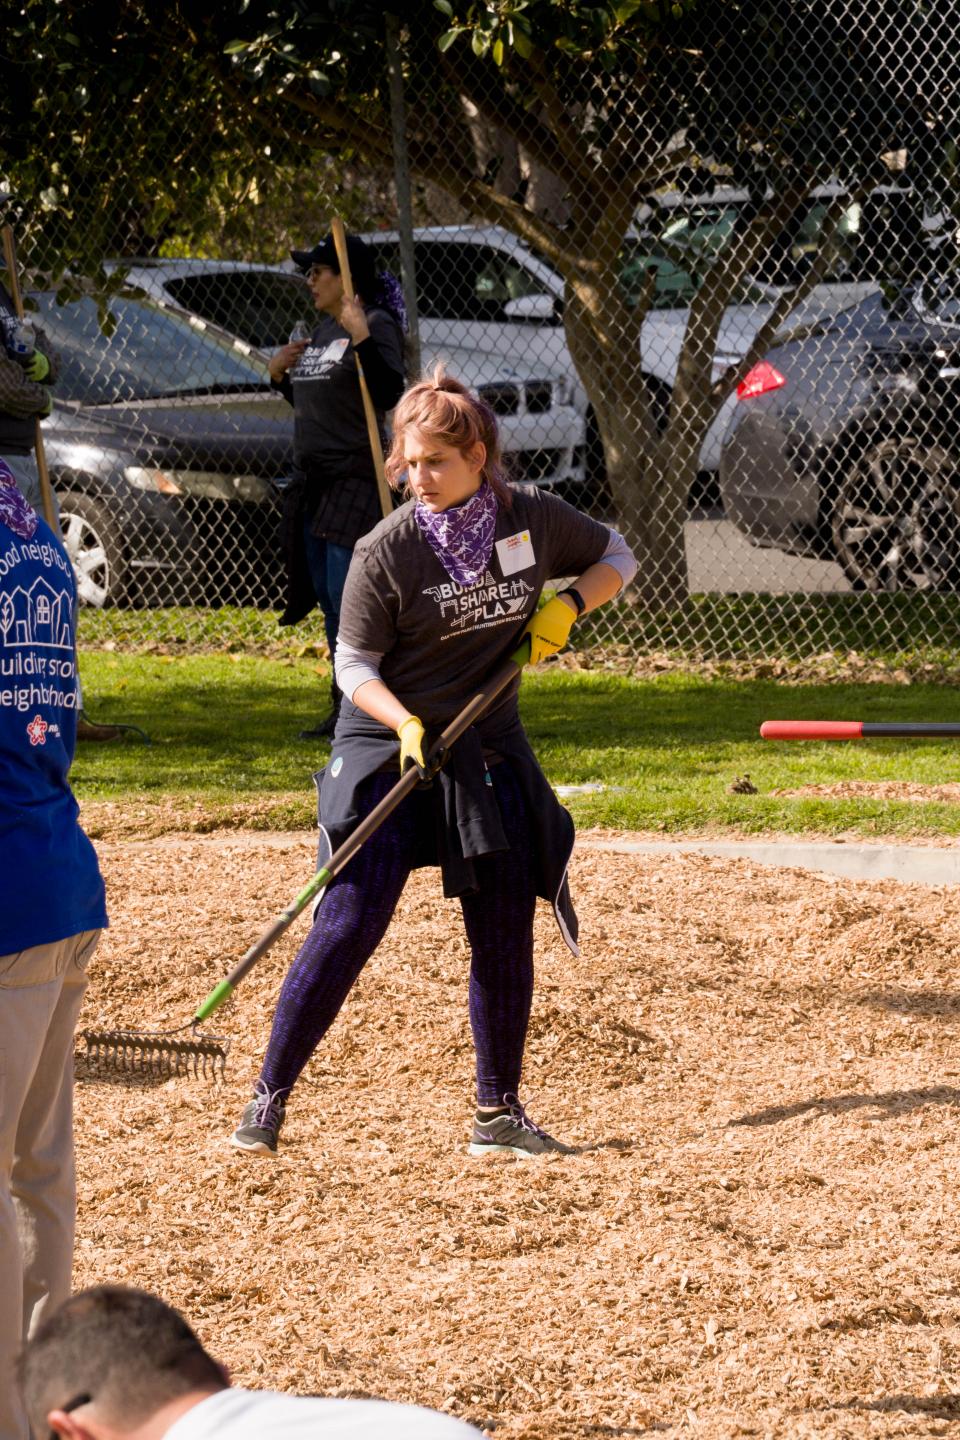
<point x="334" y="486"/>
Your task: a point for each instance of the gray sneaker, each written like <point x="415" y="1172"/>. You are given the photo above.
<point x="514" y="1134"/>
<point x="260" y="1122"/>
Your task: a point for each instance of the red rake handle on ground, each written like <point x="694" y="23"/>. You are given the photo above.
<point x="856" y="730"/>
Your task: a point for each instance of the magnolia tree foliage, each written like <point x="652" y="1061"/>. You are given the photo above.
<point x="175" y="112"/>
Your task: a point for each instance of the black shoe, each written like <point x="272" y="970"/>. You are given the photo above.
<point x="89" y="730"/>
<point x="323" y="731"/>
<point x="325" y="728"/>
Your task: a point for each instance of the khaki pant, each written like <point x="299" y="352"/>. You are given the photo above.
<point x="40" y="994"/>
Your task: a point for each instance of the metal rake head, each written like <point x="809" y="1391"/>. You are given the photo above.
<point x="156" y="1053"/>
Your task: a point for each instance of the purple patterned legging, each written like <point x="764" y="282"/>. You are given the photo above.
<point x="355" y="913"/>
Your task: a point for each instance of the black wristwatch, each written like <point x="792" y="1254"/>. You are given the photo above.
<point x="576" y="597"/>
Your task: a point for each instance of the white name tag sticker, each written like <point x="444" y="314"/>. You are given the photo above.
<point x="515" y="552"/>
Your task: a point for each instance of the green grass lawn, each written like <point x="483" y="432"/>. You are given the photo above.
<point x="223" y="731"/>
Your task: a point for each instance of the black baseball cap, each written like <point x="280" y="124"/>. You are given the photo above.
<point x="359" y="255"/>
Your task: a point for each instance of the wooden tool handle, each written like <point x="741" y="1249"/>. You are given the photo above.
<point x="373" y="431"/>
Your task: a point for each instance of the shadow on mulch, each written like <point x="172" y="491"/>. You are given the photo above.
<point x="83" y="1075"/>
<point x="937" y="1407"/>
<point x="658" y="1427"/>
<point x="893" y="1102"/>
<point x="913" y="1002"/>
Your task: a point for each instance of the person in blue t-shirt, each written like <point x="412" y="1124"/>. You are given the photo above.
<point x="52" y="909"/>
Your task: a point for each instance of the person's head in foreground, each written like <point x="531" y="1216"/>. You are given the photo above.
<point x="113" y="1361"/>
<point x="446" y="442"/>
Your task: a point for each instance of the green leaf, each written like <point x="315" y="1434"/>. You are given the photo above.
<point x="522" y="43"/>
<point x="479" y="42"/>
<point x="444" y="7"/>
<point x="447" y="39"/>
<point x="234" y="47"/>
<point x="498" y="51"/>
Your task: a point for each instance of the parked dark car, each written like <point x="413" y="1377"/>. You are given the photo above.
<point x="846" y="444"/>
<point x="165" y="446"/>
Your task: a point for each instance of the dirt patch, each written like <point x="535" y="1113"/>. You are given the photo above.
<point x="759" y="1239"/>
<point x="182" y="815"/>
<point x="947" y="794"/>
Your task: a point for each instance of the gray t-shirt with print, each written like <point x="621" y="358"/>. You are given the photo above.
<point x="439" y="640"/>
<point x="329" y="426"/>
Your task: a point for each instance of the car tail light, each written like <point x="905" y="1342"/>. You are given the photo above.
<point x="759" y="381"/>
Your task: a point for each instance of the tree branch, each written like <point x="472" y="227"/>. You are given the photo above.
<point x="569" y="136"/>
<point x="788" y="302"/>
<point x="500" y="110"/>
<point x="711" y="300"/>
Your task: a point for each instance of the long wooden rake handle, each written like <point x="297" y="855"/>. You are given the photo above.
<point x="407" y="782"/>
<point x="856" y="730"/>
<point x="373" y="431"/>
<point x="10" y="261"/>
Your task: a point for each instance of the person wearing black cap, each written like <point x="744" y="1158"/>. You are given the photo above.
<point x="333" y="498"/>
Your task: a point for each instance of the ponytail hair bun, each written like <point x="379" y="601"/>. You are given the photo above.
<point x="443" y="407"/>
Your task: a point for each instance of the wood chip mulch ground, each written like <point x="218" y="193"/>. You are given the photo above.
<point x="759" y="1237"/>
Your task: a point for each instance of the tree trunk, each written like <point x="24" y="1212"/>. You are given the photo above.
<point x="652" y="458"/>
<point x="650" y="469"/>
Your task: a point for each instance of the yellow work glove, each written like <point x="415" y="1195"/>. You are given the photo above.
<point x="37" y="367"/>
<point x="411" y="735"/>
<point x="549" y="629"/>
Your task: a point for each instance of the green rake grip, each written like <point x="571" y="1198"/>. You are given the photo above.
<point x="225" y="989"/>
<point x="214" y="1000"/>
<point x="408" y="782"/>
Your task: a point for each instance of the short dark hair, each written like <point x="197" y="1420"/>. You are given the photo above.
<point x="125" y="1348"/>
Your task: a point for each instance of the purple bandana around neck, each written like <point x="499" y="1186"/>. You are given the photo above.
<point x="21" y="518"/>
<point x="462" y="537"/>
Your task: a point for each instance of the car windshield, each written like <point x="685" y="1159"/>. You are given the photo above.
<point x="261" y="307"/>
<point x="871" y="236"/>
<point x="151" y="353"/>
<point x="674" y="285"/>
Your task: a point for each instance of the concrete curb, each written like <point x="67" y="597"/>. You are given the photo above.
<point x="910" y="864"/>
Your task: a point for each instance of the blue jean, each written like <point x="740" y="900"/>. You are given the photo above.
<point x="328" y="565"/>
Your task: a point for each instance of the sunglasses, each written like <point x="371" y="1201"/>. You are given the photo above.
<point x="73" y="1404"/>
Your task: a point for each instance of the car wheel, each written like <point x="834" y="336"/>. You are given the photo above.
<point x="93" y="545"/>
<point x="896" y="518"/>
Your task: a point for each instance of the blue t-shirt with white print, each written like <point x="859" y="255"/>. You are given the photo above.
<point x="50" y="883"/>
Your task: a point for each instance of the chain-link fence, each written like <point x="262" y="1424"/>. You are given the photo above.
<point x="704" y="268"/>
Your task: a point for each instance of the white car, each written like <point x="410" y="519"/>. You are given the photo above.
<point x="541" y="428"/>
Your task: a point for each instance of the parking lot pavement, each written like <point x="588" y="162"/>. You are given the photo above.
<point x="720" y="560"/>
